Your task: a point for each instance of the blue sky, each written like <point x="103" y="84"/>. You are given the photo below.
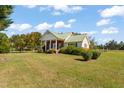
<point x="102" y="22"/>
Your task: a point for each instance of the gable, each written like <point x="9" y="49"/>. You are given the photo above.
<point x="48" y="36"/>
<point x="85" y="43"/>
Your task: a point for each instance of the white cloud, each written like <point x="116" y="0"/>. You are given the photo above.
<point x="44" y="26"/>
<point x="89" y="32"/>
<point x="12" y="33"/>
<point x="57" y="9"/>
<point x="30" y="6"/>
<point x="2" y="31"/>
<point x="71" y="20"/>
<point x="103" y="22"/>
<point x="66" y="9"/>
<point x="113" y="11"/>
<point x="56" y="13"/>
<point x="60" y="7"/>
<point x="110" y="30"/>
<point x="77" y="8"/>
<point x="25" y="27"/>
<point x="13" y="26"/>
<point x="42" y="8"/>
<point x="20" y="27"/>
<point x="61" y="24"/>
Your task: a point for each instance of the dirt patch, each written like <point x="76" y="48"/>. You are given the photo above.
<point x="3" y="60"/>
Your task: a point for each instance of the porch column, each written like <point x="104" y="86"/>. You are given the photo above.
<point x="50" y="44"/>
<point x="45" y="45"/>
<point x="56" y="45"/>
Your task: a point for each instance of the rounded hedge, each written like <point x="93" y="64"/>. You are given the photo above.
<point x="77" y="51"/>
<point x="69" y="49"/>
<point x="96" y="54"/>
<point x="87" y="55"/>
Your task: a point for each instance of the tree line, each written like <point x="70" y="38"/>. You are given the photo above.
<point x="22" y="42"/>
<point x="32" y="42"/>
<point x="112" y="45"/>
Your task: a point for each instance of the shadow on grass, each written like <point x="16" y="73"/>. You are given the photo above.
<point x="79" y="59"/>
<point x="82" y="60"/>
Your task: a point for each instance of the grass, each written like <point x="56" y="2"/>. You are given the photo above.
<point x="51" y="70"/>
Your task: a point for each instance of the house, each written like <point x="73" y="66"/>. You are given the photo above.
<point x="54" y="40"/>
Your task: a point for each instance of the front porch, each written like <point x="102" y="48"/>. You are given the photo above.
<point x="53" y="44"/>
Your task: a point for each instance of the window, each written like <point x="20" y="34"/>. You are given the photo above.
<point x="85" y="45"/>
<point x="73" y="44"/>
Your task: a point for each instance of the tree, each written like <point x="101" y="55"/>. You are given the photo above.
<point x="4" y="43"/>
<point x="26" y="41"/>
<point x="121" y="45"/>
<point x="101" y="46"/>
<point x="21" y="43"/>
<point x="13" y="41"/>
<point x="5" y="21"/>
<point x="93" y="43"/>
<point x="35" y="40"/>
<point x="18" y="42"/>
<point x="112" y="45"/>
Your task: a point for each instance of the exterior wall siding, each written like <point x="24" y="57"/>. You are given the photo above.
<point x="79" y="44"/>
<point x="65" y="44"/>
<point x="85" y="43"/>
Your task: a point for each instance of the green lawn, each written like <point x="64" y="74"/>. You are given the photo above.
<point x="51" y="70"/>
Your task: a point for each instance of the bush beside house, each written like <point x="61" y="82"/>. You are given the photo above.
<point x="95" y="54"/>
<point x="86" y="54"/>
<point x="51" y="51"/>
<point x="71" y="50"/>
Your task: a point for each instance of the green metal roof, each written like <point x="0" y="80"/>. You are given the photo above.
<point x="72" y="38"/>
<point x="61" y="35"/>
<point x="76" y="38"/>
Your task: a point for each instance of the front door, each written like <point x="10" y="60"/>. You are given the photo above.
<point x="54" y="46"/>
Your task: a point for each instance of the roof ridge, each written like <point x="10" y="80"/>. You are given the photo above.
<point x="76" y="38"/>
<point x="60" y="35"/>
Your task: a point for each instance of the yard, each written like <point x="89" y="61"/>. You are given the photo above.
<point x="51" y="70"/>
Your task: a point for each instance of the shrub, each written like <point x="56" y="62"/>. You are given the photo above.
<point x="51" y="51"/>
<point x="96" y="54"/>
<point x="69" y="49"/>
<point x="77" y="51"/>
<point x="87" y="55"/>
<point x="39" y="49"/>
<point x="62" y="50"/>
